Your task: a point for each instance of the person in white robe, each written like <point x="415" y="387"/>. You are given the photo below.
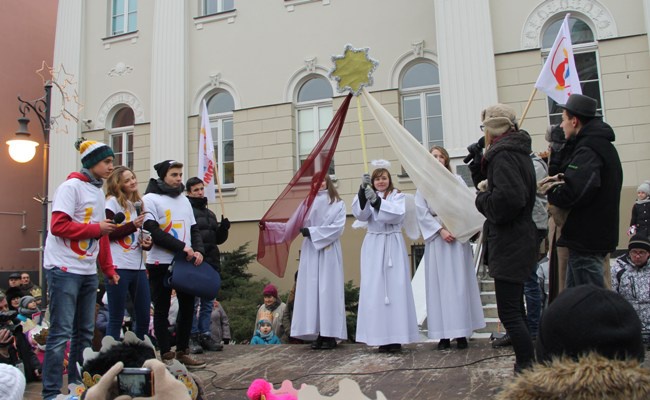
<point x="319" y="306"/>
<point x="454" y="308"/>
<point x="386" y="315"/>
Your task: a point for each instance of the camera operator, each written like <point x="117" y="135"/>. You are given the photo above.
<point x="14" y="348"/>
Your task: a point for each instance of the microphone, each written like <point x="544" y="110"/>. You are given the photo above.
<point x="138" y="207"/>
<point x="118" y="218"/>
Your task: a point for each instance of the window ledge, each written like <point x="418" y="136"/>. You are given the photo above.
<point x="123" y="37"/>
<point x="290" y="5"/>
<point x="227" y="191"/>
<point x="229" y="16"/>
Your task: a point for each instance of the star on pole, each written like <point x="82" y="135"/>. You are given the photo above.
<point x="353" y="70"/>
<point x="45" y="69"/>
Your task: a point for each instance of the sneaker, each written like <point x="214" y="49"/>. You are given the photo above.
<point x="444" y="344"/>
<point x="503" y="341"/>
<point x="209" y="344"/>
<point x="189" y="362"/>
<point x="195" y="347"/>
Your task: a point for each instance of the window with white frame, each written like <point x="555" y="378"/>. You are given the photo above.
<point x="585" y="53"/>
<point x="421" y="105"/>
<point x="121" y="134"/>
<point x="220" y="108"/>
<point x="217" y="6"/>
<point x="314" y="114"/>
<point x="124" y="16"/>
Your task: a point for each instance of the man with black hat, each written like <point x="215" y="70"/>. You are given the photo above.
<point x="170" y="219"/>
<point x="631" y="278"/>
<point x="590" y="187"/>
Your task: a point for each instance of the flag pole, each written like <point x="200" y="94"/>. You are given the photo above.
<point x="363" y="136"/>
<point x="216" y="170"/>
<point x="530" y="100"/>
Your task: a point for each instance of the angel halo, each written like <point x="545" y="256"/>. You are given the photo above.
<point x="380" y="163"/>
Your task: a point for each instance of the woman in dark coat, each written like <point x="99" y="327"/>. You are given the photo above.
<point x="506" y="198"/>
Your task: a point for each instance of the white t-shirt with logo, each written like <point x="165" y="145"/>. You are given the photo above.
<point x="84" y="203"/>
<point x="174" y="216"/>
<point x="126" y="251"/>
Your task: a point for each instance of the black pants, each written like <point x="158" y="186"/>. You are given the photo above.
<point x="161" y="297"/>
<point x="510" y="307"/>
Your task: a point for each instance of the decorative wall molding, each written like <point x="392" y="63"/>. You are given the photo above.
<point x="301" y="76"/>
<point x="310" y="64"/>
<point x="215" y="80"/>
<point x="406" y="58"/>
<point x="109" y="107"/>
<point x="418" y="48"/>
<point x="601" y="19"/>
<point x="120" y="69"/>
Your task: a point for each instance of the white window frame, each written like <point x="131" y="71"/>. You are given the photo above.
<point x="315" y="106"/>
<point x="220" y="7"/>
<point x="125" y="13"/>
<point x="422" y="92"/>
<point x="122" y="133"/>
<point x="216" y="125"/>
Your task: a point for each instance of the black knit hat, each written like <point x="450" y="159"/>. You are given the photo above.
<point x="164" y="166"/>
<point x="639" y="241"/>
<point x="587" y="319"/>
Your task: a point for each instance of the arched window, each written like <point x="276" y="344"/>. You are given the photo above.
<point x="421" y="105"/>
<point x="121" y="134"/>
<point x="314" y="113"/>
<point x="585" y="53"/>
<point x="220" y="108"/>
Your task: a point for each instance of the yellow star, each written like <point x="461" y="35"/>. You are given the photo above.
<point x="353" y="70"/>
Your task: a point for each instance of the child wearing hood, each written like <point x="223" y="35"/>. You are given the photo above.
<point x="264" y="333"/>
<point x="640" y="221"/>
<point x="27" y="309"/>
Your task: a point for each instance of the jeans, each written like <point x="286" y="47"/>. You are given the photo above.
<point x="136" y="284"/>
<point x="510" y="297"/>
<point x="585" y="268"/>
<point x="72" y="317"/>
<point x="161" y="297"/>
<point x="533" y="294"/>
<point x="201" y="325"/>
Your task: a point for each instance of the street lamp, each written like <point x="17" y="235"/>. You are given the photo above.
<point x="23" y="150"/>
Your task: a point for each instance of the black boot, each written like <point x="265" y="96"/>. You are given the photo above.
<point x="317" y="344"/>
<point x="444" y="344"/>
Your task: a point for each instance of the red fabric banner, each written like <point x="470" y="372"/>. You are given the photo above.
<point x="282" y="222"/>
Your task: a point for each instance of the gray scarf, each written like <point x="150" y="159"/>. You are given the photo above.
<point x="91" y="178"/>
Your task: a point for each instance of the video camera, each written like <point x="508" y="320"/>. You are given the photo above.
<point x="9" y="320"/>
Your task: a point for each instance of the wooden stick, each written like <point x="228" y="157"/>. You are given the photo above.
<point x="523" y="115"/>
<point x="216" y="171"/>
<point x="363" y="136"/>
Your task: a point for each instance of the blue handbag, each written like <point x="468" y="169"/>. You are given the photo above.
<point x="201" y="281"/>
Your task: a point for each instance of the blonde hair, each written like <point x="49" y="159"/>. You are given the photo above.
<point x="114" y="187"/>
<point x="444" y="153"/>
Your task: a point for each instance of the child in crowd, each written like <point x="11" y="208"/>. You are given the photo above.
<point x="219" y="325"/>
<point x="640" y="222"/>
<point x="28" y="309"/>
<point x="454" y="308"/>
<point x="127" y="243"/>
<point x="274" y="311"/>
<point x="264" y="333"/>
<point x="319" y="307"/>
<point x="386" y="316"/>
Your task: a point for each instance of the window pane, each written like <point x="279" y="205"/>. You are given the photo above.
<point x="415" y="127"/>
<point x="133" y="22"/>
<point x="411" y="107"/>
<point x="586" y="65"/>
<point x="592" y="89"/>
<point x="306" y="120"/>
<point x="229" y="173"/>
<point x="421" y="74"/>
<point x="118" y="24"/>
<point x="227" y="130"/>
<point x="116" y="143"/>
<point x="315" y="89"/>
<point x="124" y="117"/>
<point x="434" y="106"/>
<point x="129" y="141"/>
<point x="228" y="151"/>
<point x="324" y="117"/>
<point x="434" y="124"/>
<point x="221" y="102"/>
<point x="580" y="32"/>
<point x="118" y="7"/>
<point x="306" y="142"/>
<point x="133" y="5"/>
<point x="228" y="5"/>
<point x="216" y="147"/>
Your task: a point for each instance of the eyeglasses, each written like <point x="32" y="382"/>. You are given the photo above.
<point x="638" y="253"/>
<point x="482" y="128"/>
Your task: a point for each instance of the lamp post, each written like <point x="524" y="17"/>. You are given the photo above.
<point x="22" y="150"/>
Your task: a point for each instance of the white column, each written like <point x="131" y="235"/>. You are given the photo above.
<point x="467" y="70"/>
<point x="64" y="158"/>
<point x="168" y="138"/>
<point x="646" y="14"/>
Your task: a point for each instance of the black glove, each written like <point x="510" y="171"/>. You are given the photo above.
<point x="305" y="232"/>
<point x="225" y="223"/>
<point x="475" y="151"/>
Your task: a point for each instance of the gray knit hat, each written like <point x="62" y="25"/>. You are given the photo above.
<point x="644" y="187"/>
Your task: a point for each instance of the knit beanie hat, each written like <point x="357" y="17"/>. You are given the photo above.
<point x="25" y="300"/>
<point x="644" y="187"/>
<point x="587" y="319"/>
<point x="264" y="321"/>
<point x="270" y="290"/>
<point x="164" y="166"/>
<point x="498" y="119"/>
<point x="639" y="241"/>
<point x="92" y="152"/>
<point x="12" y="383"/>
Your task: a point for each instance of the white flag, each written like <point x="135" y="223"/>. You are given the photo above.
<point x="559" y="77"/>
<point x="207" y="165"/>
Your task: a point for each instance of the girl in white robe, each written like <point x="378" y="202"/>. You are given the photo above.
<point x="386" y="316"/>
<point x="319" y="307"/>
<point x="454" y="308"/>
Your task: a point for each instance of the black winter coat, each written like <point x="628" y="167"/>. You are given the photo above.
<point x="641" y="218"/>
<point x="508" y="205"/>
<point x="593" y="178"/>
<point x="212" y="232"/>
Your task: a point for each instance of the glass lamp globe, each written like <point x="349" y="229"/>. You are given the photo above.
<point x="21" y="150"/>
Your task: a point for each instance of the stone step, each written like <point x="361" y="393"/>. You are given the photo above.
<point x="487" y="285"/>
<point x="492" y="325"/>
<point x="490" y="311"/>
<point x="488" y="298"/>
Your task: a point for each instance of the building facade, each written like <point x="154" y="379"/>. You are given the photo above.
<point x="143" y="69"/>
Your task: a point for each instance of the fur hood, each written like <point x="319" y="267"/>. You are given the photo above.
<point x="591" y="377"/>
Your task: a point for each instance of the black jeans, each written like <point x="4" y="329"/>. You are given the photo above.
<point x="161" y="298"/>
<point x="510" y="308"/>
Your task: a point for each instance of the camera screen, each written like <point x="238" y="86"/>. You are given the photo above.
<point x="135" y="382"/>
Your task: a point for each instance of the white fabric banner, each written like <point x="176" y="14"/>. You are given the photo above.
<point x="559" y="77"/>
<point x="207" y="166"/>
<point x="452" y="200"/>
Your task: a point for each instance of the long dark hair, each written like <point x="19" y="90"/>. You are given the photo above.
<point x="376" y="174"/>
<point x="331" y="190"/>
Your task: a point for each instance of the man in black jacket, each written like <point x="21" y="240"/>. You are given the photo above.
<point x="590" y="188"/>
<point x="506" y="198"/>
<point x="213" y="233"/>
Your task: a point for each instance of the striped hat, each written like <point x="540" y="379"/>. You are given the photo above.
<point x="92" y="152"/>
